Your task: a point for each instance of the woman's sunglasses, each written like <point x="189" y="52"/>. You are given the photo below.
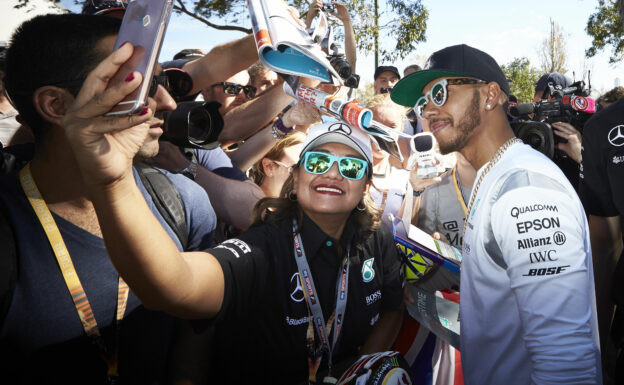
<point x="320" y="162"/>
<point x="439" y="93"/>
<point x="235" y="89"/>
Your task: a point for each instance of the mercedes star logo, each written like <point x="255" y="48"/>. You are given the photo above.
<point x="616" y="137"/>
<point x="340" y="127"/>
<point x="296" y="294"/>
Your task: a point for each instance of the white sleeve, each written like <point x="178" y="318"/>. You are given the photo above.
<point x="541" y="232"/>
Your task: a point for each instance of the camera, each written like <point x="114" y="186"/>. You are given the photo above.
<point x="340" y="64"/>
<point x="570" y="105"/>
<point x="329" y="7"/>
<point x="385" y="90"/>
<point x="193" y="124"/>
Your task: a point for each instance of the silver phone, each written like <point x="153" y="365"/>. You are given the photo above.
<point x="144" y="25"/>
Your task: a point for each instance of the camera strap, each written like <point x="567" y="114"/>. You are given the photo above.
<point x="315" y="312"/>
<point x="83" y="308"/>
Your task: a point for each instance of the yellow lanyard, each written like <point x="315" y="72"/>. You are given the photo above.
<point x="460" y="197"/>
<point x="69" y="273"/>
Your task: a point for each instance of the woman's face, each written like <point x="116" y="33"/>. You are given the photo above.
<point x="280" y="170"/>
<point x="329" y="193"/>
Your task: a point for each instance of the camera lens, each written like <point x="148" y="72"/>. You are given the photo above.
<point x="199" y="125"/>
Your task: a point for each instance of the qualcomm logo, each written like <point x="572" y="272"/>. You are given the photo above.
<point x="297" y="293"/>
<point x="616" y="136"/>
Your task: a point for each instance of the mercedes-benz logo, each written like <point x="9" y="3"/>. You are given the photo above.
<point x="616" y="137"/>
<point x="296" y="294"/>
<point x="340" y="127"/>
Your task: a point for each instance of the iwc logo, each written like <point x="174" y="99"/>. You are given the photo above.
<point x="368" y="273"/>
<point x="616" y="136"/>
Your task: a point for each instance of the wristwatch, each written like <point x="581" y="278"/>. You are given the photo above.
<point x="278" y="130"/>
<point x="190" y="171"/>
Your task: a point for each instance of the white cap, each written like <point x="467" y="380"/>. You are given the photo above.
<point x="338" y="132"/>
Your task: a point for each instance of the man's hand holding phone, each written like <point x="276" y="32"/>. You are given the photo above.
<point x="104" y="146"/>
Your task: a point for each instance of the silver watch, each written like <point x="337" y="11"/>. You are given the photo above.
<point x="190" y="171"/>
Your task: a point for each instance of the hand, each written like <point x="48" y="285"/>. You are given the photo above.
<point x="341" y="13"/>
<point x="571" y="134"/>
<point x="301" y="114"/>
<point x="104" y="146"/>
<point x="315" y="8"/>
<point x="169" y="158"/>
<point x="419" y="184"/>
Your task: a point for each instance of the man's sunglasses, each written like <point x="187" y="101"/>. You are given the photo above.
<point x="320" y="162"/>
<point x="235" y="89"/>
<point x="439" y="93"/>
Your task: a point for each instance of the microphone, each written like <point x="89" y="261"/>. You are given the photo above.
<point x="522" y="109"/>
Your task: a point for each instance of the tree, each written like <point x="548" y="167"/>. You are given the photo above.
<point x="552" y="53"/>
<point x="523" y="78"/>
<point x="606" y="27"/>
<point x="402" y="25"/>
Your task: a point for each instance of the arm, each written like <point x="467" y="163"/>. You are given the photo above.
<point x="246" y="119"/>
<point x="221" y="63"/>
<point x="301" y="115"/>
<point x="314" y="9"/>
<point x="384" y="333"/>
<point x="185" y="284"/>
<point x="606" y="241"/>
<point x="350" y="47"/>
<point x="233" y="200"/>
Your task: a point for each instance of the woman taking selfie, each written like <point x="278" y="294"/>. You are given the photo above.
<point x="313" y="282"/>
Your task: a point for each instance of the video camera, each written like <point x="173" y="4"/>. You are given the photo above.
<point x="571" y="105"/>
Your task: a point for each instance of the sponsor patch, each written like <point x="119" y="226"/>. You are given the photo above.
<point x="538" y="224"/>
<point x="296" y="291"/>
<point x="559" y="238"/>
<point x="616" y="136"/>
<point x="296" y="321"/>
<point x="618" y="159"/>
<point x="546" y="271"/>
<point x="529" y="243"/>
<point x="368" y="272"/>
<point x="239" y="246"/>
<point x="372" y="298"/>
<point x="516" y="211"/>
<point x="374" y="319"/>
<point x="543" y="256"/>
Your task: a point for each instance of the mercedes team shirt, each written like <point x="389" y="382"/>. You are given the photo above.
<point x="528" y="309"/>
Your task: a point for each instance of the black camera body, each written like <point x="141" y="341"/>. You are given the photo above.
<point x="193" y="124"/>
<point x="570" y="105"/>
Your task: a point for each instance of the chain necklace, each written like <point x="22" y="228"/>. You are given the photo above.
<point x="487" y="169"/>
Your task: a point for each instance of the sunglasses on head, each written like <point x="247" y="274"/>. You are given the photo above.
<point x="439" y="93"/>
<point x="235" y="89"/>
<point x="320" y="162"/>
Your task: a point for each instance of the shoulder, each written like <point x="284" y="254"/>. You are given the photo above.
<point x="213" y="159"/>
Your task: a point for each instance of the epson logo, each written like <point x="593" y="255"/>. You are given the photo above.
<point x="537" y="225"/>
<point x="516" y="211"/>
<point x="529" y="243"/>
<point x="371" y="299"/>
<point x="543" y="256"/>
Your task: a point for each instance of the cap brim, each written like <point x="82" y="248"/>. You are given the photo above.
<point x="409" y="89"/>
<point x="334" y="137"/>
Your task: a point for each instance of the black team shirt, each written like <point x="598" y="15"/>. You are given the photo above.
<point x="260" y="333"/>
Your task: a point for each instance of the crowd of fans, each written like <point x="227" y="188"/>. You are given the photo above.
<point x="130" y="259"/>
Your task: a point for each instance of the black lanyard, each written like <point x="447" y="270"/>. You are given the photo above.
<point x="316" y="319"/>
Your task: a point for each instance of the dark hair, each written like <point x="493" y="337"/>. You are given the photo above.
<point x="612" y="95"/>
<point x="273" y="210"/>
<point x="52" y="49"/>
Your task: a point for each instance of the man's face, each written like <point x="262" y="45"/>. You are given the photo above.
<point x="453" y="123"/>
<point x="164" y="102"/>
<point x="227" y="101"/>
<point x="264" y="81"/>
<point x="385" y="79"/>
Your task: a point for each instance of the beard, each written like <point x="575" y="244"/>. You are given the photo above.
<point x="466" y="125"/>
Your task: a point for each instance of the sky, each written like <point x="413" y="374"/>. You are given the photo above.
<point x="504" y="29"/>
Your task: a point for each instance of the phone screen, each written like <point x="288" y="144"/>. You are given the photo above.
<point x="144" y="24"/>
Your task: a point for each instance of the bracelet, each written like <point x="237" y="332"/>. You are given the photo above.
<point x="278" y="124"/>
<point x="276" y="133"/>
<point x="417" y="193"/>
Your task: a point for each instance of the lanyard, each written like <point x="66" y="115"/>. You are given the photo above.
<point x="71" y="277"/>
<point x="315" y="355"/>
<point x="460" y="197"/>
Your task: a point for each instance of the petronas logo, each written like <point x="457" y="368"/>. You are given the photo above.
<point x="368" y="273"/>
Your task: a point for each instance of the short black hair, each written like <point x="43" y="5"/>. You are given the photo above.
<point x="51" y="49"/>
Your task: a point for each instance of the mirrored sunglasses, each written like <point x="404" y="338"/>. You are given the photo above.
<point x="439" y="93"/>
<point x="320" y="162"/>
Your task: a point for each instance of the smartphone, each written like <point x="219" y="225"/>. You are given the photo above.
<point x="423" y="150"/>
<point x="144" y="24"/>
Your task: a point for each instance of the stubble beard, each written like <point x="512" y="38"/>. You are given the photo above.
<point x="466" y="125"/>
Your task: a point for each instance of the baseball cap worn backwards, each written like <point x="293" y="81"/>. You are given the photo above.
<point x="337" y="132"/>
<point x="457" y="60"/>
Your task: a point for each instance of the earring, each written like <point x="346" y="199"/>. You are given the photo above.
<point x="292" y="196"/>
<point x="488" y="107"/>
<point x="270" y="175"/>
<point x="360" y="207"/>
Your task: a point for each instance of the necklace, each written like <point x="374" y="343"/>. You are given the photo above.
<point x="487" y="169"/>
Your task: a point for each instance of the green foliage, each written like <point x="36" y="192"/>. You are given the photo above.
<point x="607" y="29"/>
<point x="523" y="78"/>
